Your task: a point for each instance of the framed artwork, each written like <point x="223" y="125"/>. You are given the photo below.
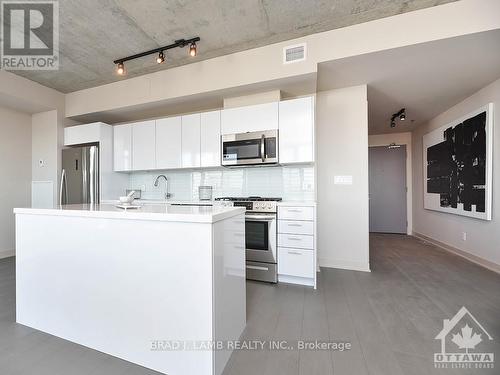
<point x="458" y="166"/>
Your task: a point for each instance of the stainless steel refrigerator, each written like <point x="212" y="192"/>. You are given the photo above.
<point x="80" y="175"/>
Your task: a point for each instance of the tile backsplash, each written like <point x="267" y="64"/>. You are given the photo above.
<point x="292" y="183"/>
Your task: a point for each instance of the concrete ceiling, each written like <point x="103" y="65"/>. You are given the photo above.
<point x="426" y="79"/>
<point x="93" y="33"/>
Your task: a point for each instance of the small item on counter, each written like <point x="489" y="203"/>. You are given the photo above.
<point x="205" y="193"/>
<point x="128" y="199"/>
<point x="137" y="193"/>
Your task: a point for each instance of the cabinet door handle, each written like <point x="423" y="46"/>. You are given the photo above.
<point x="294" y="253"/>
<point x="294" y="239"/>
<point x="294" y="210"/>
<point x="294" y="225"/>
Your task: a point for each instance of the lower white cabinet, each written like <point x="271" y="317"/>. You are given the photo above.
<point x="296" y="240"/>
<point x="296" y="262"/>
<point x="297" y="244"/>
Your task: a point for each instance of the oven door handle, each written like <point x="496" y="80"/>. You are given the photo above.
<point x="260" y="217"/>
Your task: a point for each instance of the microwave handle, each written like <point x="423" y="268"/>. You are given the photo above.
<point x="263" y="148"/>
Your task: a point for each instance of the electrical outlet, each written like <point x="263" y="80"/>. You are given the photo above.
<point x="464" y="236"/>
<point x="41" y="163"/>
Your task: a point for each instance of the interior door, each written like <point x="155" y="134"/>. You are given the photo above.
<point x="387" y="183"/>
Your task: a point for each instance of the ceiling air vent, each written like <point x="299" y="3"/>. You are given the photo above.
<point x="296" y="53"/>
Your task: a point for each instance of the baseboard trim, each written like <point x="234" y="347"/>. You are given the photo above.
<point x="344" y="264"/>
<point x="296" y="280"/>
<point x="461" y="253"/>
<point x="7" y="253"/>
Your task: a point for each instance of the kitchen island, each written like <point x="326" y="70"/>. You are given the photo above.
<point x="157" y="286"/>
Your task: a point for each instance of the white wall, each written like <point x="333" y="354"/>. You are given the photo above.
<point x="342" y="150"/>
<point x="15" y="172"/>
<point x="483" y="237"/>
<point x="400" y="139"/>
<point x="46" y="146"/>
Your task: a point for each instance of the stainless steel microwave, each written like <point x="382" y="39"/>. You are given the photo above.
<point x="250" y="148"/>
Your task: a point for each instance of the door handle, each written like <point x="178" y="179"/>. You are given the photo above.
<point x="62" y="188"/>
<point x="259" y="268"/>
<point x="263" y="148"/>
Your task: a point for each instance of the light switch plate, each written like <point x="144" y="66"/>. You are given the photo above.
<point x="342" y="180"/>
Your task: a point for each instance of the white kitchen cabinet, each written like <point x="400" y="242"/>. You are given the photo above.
<point x="250" y="118"/>
<point x="296" y="213"/>
<point x="296" y="240"/>
<point x="191" y="141"/>
<point x="210" y="139"/>
<point x="122" y="148"/>
<point x="81" y="134"/>
<point x="296" y="130"/>
<point x="297" y="244"/>
<point x="296" y="262"/>
<point x="168" y="143"/>
<point x="143" y="145"/>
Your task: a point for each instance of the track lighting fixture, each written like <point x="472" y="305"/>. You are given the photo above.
<point x="192" y="49"/>
<point x="401" y="114"/>
<point x="120" y="69"/>
<point x="161" y="58"/>
<point x="181" y="43"/>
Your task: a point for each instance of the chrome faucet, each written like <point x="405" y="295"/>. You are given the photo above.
<point x="157" y="183"/>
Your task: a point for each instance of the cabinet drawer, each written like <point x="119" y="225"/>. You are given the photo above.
<point x="296" y="213"/>
<point x="295" y="262"/>
<point x="293" y="240"/>
<point x="296" y="227"/>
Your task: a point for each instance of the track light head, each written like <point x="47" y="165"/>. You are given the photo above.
<point x="402" y="116"/>
<point x="393" y="124"/>
<point x="192" y="49"/>
<point x="120" y="69"/>
<point x="161" y="58"/>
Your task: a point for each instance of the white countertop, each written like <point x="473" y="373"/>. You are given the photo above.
<point x="158" y="212"/>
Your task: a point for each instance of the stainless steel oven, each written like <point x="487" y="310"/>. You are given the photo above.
<point x="260" y="236"/>
<point x="250" y="148"/>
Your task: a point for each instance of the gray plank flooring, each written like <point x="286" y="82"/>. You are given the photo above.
<point x="390" y="316"/>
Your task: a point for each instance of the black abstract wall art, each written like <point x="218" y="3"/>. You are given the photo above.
<point x="457" y="163"/>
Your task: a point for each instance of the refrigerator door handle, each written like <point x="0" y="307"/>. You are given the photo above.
<point x="63" y="191"/>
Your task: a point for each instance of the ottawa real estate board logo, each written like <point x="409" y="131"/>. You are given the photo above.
<point x="29" y="35"/>
<point x="464" y="343"/>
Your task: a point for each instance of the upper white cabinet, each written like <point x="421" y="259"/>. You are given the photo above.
<point x="168" y="143"/>
<point x="122" y="147"/>
<point x="143" y="145"/>
<point x="191" y="141"/>
<point x="296" y="130"/>
<point x="81" y="134"/>
<point x="210" y="139"/>
<point x="250" y="119"/>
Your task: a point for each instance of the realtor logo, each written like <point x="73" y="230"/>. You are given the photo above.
<point x="465" y="333"/>
<point x="29" y="35"/>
